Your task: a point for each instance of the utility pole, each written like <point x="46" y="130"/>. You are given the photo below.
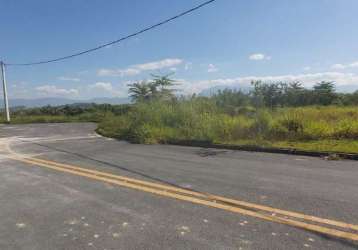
<point x="6" y="102"/>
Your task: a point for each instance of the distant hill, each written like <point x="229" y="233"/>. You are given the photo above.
<point x="40" y="102"/>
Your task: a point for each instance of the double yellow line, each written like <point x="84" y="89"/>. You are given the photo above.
<point x="319" y="225"/>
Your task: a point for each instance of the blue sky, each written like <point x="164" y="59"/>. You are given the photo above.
<point x="225" y="44"/>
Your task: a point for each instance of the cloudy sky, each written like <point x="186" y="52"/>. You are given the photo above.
<point x="228" y="43"/>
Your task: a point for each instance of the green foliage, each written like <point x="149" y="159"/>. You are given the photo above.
<point x="292" y="94"/>
<point x="324" y="93"/>
<point x="160" y="88"/>
<point x="231" y="101"/>
<point x="281" y="94"/>
<point x="140" y="91"/>
<point x="67" y="113"/>
<point x="268" y="94"/>
<point x="201" y="119"/>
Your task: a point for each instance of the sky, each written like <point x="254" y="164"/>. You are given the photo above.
<point x="228" y="43"/>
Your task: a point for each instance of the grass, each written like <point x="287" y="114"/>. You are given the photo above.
<point x="313" y="128"/>
<point x="331" y="128"/>
<point x="344" y="146"/>
<point x="25" y="119"/>
<point x="333" y="146"/>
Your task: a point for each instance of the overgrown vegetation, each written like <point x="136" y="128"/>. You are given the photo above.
<point x="272" y="115"/>
<point x="201" y="119"/>
<point x="67" y="113"/>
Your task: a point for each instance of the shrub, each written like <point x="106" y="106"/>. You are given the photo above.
<point x="261" y="125"/>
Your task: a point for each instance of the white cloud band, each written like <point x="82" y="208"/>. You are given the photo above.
<point x="345" y="66"/>
<point x="306" y="79"/>
<point x="259" y="57"/>
<point x="52" y="90"/>
<point x="139" y="68"/>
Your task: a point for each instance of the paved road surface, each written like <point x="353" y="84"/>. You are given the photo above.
<point x="64" y="187"/>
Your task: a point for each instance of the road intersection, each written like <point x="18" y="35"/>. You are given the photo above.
<point x="63" y="151"/>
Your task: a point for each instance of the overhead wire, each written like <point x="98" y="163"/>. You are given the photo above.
<point x="115" y="41"/>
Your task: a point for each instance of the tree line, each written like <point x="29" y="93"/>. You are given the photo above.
<point x="293" y="94"/>
<point x="263" y="94"/>
<point x="72" y="109"/>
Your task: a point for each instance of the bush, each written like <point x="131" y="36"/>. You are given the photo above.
<point x="262" y="124"/>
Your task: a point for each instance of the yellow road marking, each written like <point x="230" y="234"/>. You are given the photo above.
<point x="298" y="224"/>
<point x="207" y="196"/>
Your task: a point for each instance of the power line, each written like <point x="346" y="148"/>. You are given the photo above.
<point x="116" y="41"/>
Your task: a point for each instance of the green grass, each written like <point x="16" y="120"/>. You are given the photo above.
<point x="331" y="128"/>
<point x="85" y="117"/>
<point x="345" y="146"/>
<point x="40" y="119"/>
<point x="333" y="146"/>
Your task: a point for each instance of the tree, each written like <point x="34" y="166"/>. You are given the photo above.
<point x="163" y="81"/>
<point x="268" y="94"/>
<point x="231" y="100"/>
<point x="139" y="91"/>
<point x="325" y="93"/>
<point x="296" y="85"/>
<point x="295" y="94"/>
<point x="158" y="88"/>
<point x="163" y="87"/>
<point x="349" y="98"/>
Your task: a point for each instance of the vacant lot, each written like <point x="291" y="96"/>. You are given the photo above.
<point x="329" y="128"/>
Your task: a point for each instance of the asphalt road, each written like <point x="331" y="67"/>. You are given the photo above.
<point x="52" y="198"/>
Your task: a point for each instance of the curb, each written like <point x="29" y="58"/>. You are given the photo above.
<point x="252" y="148"/>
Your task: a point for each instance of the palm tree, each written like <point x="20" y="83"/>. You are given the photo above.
<point x="157" y="89"/>
<point x="164" y="83"/>
<point x="139" y="91"/>
<point x="296" y="85"/>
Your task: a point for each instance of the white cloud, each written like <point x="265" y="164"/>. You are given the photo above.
<point x="52" y="90"/>
<point x="259" y="57"/>
<point x="139" y="68"/>
<point x="107" y="86"/>
<point x="338" y="66"/>
<point x="166" y="63"/>
<point x="71" y="79"/>
<point x="306" y="79"/>
<point x="212" y="68"/>
<point x="188" y="66"/>
<point x="118" y="72"/>
<point x="307" y="68"/>
<point x="345" y="66"/>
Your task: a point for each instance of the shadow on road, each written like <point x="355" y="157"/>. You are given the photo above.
<point x="114" y="166"/>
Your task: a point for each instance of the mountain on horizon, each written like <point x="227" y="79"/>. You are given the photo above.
<point x="57" y="101"/>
